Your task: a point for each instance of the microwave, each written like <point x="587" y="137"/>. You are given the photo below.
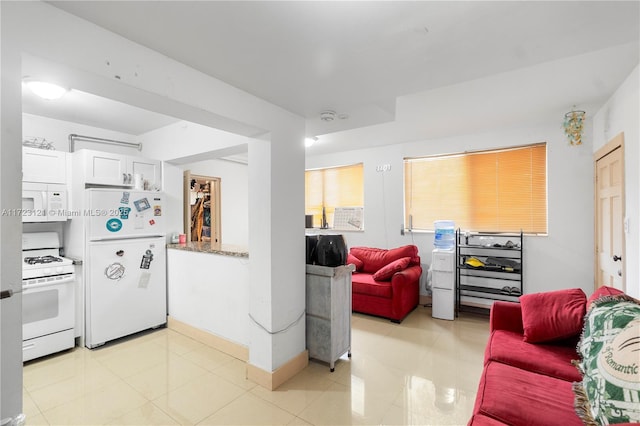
<point x="44" y="202"/>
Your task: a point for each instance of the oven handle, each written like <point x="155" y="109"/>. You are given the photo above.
<point x="48" y="283"/>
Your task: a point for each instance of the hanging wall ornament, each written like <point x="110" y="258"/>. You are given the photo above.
<point x="573" y="126"/>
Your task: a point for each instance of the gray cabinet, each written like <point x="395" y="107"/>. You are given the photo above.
<point x="328" y="306"/>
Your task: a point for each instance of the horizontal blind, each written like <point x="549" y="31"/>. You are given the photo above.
<point x="333" y="187"/>
<point x="499" y="190"/>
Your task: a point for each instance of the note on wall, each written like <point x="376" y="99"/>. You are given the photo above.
<point x="348" y="218"/>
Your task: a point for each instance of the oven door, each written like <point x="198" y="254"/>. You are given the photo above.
<point x="48" y="305"/>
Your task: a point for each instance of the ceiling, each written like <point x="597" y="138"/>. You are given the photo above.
<point x="369" y="61"/>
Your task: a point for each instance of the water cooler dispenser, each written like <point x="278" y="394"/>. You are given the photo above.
<point x="443" y="282"/>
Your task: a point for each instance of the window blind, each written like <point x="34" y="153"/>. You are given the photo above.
<point x="500" y="190"/>
<point x="333" y="187"/>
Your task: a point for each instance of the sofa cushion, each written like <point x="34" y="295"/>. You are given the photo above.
<point x="376" y="258"/>
<point x="386" y="272"/>
<point x="365" y="284"/>
<point x="482" y="420"/>
<point x="553" y="315"/>
<point x="351" y="259"/>
<point x="610" y="352"/>
<point x="603" y="291"/>
<point x="553" y="360"/>
<point x="518" y="397"/>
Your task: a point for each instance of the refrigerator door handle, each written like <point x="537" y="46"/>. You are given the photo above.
<point x="5" y="294"/>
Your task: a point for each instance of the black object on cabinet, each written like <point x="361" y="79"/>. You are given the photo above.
<point x="489" y="267"/>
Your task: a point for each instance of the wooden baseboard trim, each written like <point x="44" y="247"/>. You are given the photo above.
<point x="234" y="349"/>
<point x="272" y="379"/>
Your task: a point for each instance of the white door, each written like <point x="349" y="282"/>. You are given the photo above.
<point x="126" y="288"/>
<point x="609" y="197"/>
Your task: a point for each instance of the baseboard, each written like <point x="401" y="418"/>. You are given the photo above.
<point x="272" y="379"/>
<point x="234" y="349"/>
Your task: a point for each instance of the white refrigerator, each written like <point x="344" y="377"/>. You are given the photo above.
<point x="125" y="285"/>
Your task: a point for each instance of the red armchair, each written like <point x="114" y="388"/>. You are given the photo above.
<point x="386" y="283"/>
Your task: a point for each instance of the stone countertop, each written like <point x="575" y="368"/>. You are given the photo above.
<point x="205" y="247"/>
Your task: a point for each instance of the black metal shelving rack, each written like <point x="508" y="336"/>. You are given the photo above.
<point x="501" y="279"/>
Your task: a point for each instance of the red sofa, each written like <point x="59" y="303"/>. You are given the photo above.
<point x="528" y="373"/>
<point x="386" y="283"/>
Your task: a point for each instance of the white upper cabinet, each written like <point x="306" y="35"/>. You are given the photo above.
<point x="149" y="170"/>
<point x="45" y="166"/>
<point x="105" y="168"/>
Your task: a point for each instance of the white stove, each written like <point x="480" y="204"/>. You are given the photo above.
<point x="48" y="297"/>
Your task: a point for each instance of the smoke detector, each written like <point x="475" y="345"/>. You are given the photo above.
<point x="328" y="115"/>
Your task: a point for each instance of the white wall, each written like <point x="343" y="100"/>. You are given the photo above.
<point x="214" y="297"/>
<point x="234" y="200"/>
<point x="74" y="52"/>
<point x="560" y="260"/>
<point x="621" y="113"/>
<point x="182" y="145"/>
<point x="186" y="139"/>
<point x="58" y="131"/>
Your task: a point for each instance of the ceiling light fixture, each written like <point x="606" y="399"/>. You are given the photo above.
<point x="573" y="126"/>
<point x="48" y="91"/>
<point x="310" y="141"/>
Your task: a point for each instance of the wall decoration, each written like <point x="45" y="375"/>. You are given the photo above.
<point x="573" y="126"/>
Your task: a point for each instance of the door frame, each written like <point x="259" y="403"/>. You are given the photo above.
<point x="617" y="142"/>
<point x="216" y="230"/>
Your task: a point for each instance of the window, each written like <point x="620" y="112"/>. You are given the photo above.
<point x="500" y="190"/>
<point x="330" y="188"/>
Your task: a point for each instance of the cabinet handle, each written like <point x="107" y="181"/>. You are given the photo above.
<point x="616" y="258"/>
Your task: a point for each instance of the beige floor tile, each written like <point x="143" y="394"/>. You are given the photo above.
<point x="208" y="358"/>
<point x="198" y="399"/>
<point x="342" y="404"/>
<point x="297" y="421"/>
<point x="55" y="368"/>
<point x="298" y="392"/>
<point x="176" y="342"/>
<point x="424" y="402"/>
<point x="236" y="373"/>
<point x="97" y="407"/>
<point x="422" y="371"/>
<point x="147" y="414"/>
<point x="248" y="409"/>
<point x="133" y="359"/>
<point x="29" y="407"/>
<point x="164" y="377"/>
<point x="36" y="420"/>
<point x="91" y="377"/>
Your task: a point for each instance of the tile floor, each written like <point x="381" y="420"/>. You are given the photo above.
<point x="423" y="371"/>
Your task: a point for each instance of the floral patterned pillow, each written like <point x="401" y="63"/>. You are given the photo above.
<point x="610" y="362"/>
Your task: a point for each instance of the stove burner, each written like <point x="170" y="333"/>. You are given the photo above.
<point x="41" y="259"/>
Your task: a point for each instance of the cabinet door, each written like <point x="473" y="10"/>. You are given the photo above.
<point x="41" y="165"/>
<point x="150" y="170"/>
<point x="106" y="168"/>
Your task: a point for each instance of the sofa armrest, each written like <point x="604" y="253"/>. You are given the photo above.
<point x="506" y="316"/>
<point x="407" y="275"/>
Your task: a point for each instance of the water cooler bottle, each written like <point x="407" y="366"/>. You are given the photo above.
<point x="443" y="283"/>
